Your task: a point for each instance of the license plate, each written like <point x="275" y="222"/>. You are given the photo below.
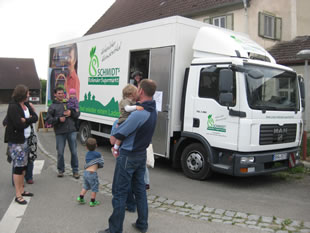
<point x="281" y="156"/>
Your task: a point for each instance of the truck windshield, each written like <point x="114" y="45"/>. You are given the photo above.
<point x="271" y="89"/>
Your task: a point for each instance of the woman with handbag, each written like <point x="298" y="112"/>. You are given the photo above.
<point x="20" y="116"/>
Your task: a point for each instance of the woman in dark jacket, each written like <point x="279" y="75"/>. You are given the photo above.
<point x="20" y="116"/>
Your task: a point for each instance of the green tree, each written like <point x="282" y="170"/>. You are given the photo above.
<point x="43" y="90"/>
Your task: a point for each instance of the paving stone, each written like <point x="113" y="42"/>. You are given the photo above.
<point x="307" y="224"/>
<point x="279" y="221"/>
<point x="219" y="211"/>
<point x="161" y="199"/>
<point x="169" y="202"/>
<point x="183" y="209"/>
<point x="267" y="229"/>
<point x="205" y="214"/>
<point x="209" y="210"/>
<point x="305" y="230"/>
<point x="196" y="216"/>
<point x="183" y="213"/>
<point x="216" y="216"/>
<point x="204" y="218"/>
<point x="251" y="222"/>
<point x="152" y="197"/>
<point x="241" y="215"/>
<point x="238" y="220"/>
<point x="263" y="224"/>
<point x="197" y="207"/>
<point x="230" y="213"/>
<point x="295" y="223"/>
<point x="281" y="231"/>
<point x="162" y="208"/>
<point x="227" y="218"/>
<point x="188" y="205"/>
<point x="156" y="204"/>
<point x="216" y="220"/>
<point x="293" y="229"/>
<point x="194" y="211"/>
<point x="267" y="219"/>
<point x="253" y="217"/>
<point x="179" y="203"/>
<point x="228" y="222"/>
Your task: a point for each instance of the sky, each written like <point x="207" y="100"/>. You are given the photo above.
<point x="28" y="27"/>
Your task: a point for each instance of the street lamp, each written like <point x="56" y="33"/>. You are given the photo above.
<point x="305" y="55"/>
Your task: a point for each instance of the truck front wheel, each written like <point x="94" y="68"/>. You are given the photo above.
<point x="195" y="162"/>
<point x="84" y="132"/>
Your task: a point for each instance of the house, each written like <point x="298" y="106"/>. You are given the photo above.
<point x="263" y="20"/>
<point x="14" y="71"/>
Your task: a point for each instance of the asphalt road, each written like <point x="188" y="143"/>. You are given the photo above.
<point x="53" y="209"/>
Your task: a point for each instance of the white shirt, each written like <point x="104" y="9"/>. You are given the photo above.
<point x="27" y="130"/>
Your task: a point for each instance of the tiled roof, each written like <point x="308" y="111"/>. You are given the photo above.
<point x="127" y="12"/>
<point x="14" y="71"/>
<point x="285" y="52"/>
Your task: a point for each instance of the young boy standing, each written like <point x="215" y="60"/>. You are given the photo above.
<point x="93" y="161"/>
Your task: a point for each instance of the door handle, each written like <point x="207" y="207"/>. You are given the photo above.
<point x="196" y="122"/>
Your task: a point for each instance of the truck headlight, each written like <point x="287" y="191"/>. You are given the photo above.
<point x="247" y="160"/>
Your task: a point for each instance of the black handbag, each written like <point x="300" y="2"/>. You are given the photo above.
<point x="32" y="142"/>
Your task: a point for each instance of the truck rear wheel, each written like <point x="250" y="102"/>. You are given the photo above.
<point x="84" y="132"/>
<point x="195" y="162"/>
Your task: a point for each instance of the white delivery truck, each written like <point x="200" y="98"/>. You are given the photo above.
<point x="223" y="103"/>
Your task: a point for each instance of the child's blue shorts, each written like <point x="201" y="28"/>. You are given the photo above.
<point x="91" y="181"/>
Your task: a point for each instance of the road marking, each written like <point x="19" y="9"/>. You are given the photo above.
<point x="14" y="214"/>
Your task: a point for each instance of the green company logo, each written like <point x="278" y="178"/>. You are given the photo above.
<point x="103" y="76"/>
<point x="214" y="127"/>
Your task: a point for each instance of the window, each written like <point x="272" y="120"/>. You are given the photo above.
<point x="224" y="21"/>
<point x="209" y="85"/>
<point x="270" y="26"/>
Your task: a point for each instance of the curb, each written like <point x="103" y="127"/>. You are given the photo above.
<point x="305" y="163"/>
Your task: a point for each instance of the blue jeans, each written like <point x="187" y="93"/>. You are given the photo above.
<point x="29" y="171"/>
<point x="131" y="201"/>
<point x="129" y="170"/>
<point x="60" y="147"/>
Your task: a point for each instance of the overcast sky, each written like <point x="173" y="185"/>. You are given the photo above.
<point x="28" y="27"/>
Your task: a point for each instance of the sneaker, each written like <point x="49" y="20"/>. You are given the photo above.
<point x="29" y="181"/>
<point x="93" y="203"/>
<point x="81" y="200"/>
<point x="76" y="175"/>
<point x="60" y="174"/>
<point x="147" y="186"/>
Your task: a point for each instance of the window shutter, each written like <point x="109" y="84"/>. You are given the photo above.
<point x="230" y="22"/>
<point x="207" y="20"/>
<point x="278" y="28"/>
<point x="261" y="24"/>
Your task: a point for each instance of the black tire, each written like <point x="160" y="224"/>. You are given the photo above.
<point x="195" y="162"/>
<point x="84" y="132"/>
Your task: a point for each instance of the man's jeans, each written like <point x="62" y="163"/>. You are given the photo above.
<point x="129" y="170"/>
<point x="60" y="146"/>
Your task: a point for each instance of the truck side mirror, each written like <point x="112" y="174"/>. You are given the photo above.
<point x="226" y="87"/>
<point x="302" y="90"/>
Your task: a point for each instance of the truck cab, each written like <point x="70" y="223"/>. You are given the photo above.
<point x="243" y="112"/>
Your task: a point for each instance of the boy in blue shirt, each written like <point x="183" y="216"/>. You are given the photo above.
<point x="93" y="161"/>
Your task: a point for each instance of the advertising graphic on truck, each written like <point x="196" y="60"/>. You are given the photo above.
<point x="223" y="103"/>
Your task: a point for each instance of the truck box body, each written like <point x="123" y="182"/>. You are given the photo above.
<point x="162" y="50"/>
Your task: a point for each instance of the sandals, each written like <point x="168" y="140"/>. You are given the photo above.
<point x="27" y="194"/>
<point x="20" y="200"/>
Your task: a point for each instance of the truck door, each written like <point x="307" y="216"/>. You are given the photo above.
<point x="212" y="120"/>
<point x="161" y="71"/>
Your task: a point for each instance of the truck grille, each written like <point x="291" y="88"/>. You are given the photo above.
<point x="275" y="134"/>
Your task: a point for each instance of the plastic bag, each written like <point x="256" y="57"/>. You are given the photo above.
<point x="150" y="156"/>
